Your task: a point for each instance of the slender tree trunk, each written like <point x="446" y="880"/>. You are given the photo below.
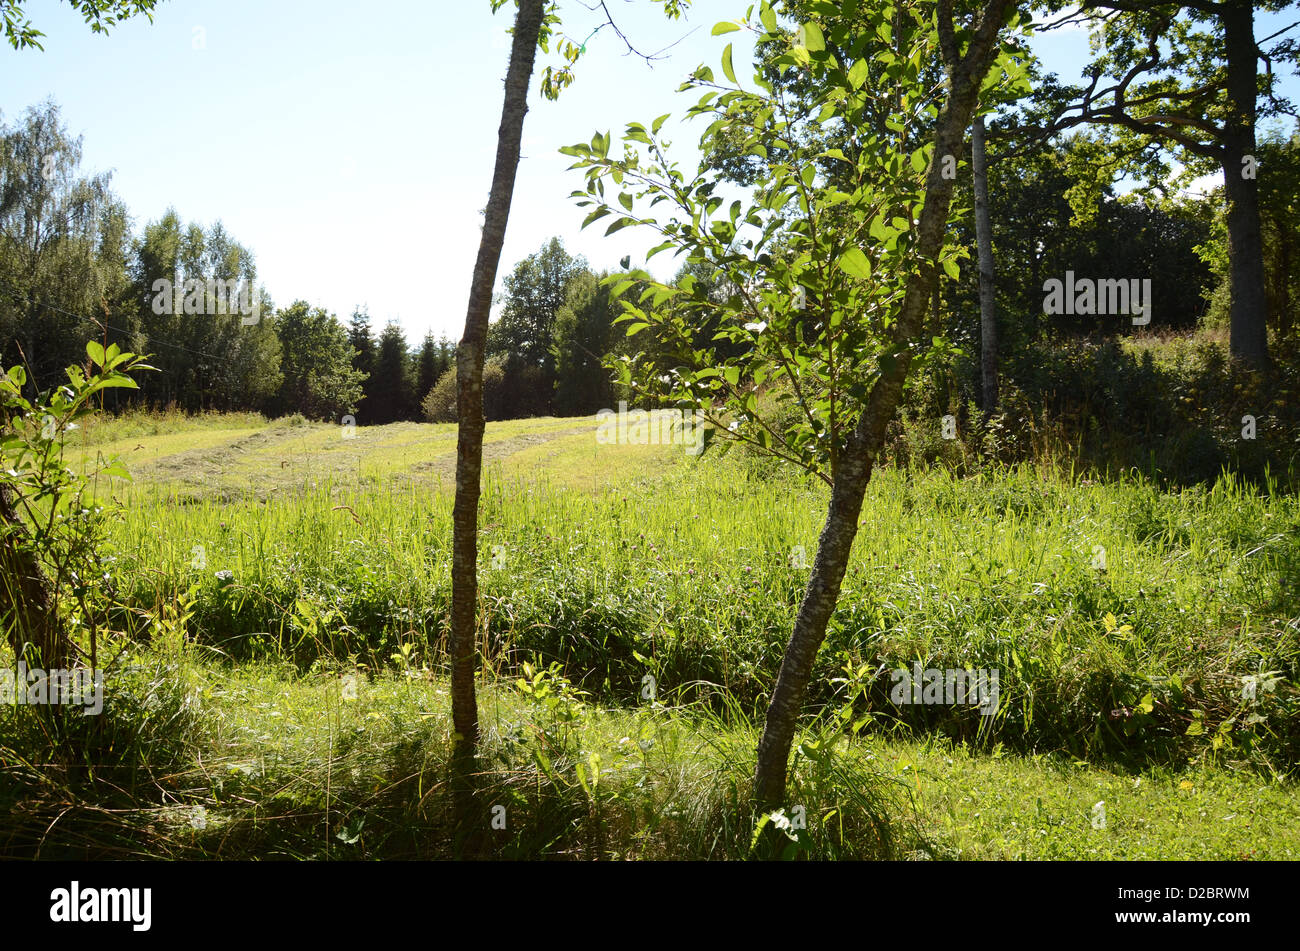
<point x="1249" y="334"/>
<point x="1284" y="279"/>
<point x="469" y="390"/>
<point x="965" y="75"/>
<point x="984" y="240"/>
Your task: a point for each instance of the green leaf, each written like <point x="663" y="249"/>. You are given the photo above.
<point x="95" y="352"/>
<point x="858" y="73"/>
<point x="596" y="215"/>
<point x="636" y="133"/>
<point x="727" y="68"/>
<point x="726" y="26"/>
<point x="766" y="14"/>
<point x="110" y="383"/>
<point x="812" y="39"/>
<point x="545" y="763"/>
<point x="854" y="263"/>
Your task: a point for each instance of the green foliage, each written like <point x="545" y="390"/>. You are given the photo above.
<point x="816" y="262"/>
<point x="432" y="360"/>
<point x="524" y="335"/>
<point x="64" y="244"/>
<point x="100" y="15"/>
<point x="1175" y="409"/>
<point x="1187" y="676"/>
<point x="1039" y="235"/>
<point x="439" y="405"/>
<point x="362" y="341"/>
<point x="319" y="380"/>
<point x="390" y="393"/>
<point x="1173" y="82"/>
<point x="1279" y="194"/>
<point x="54" y="525"/>
<point x="1177" y="100"/>
<point x="252" y="761"/>
<point x="214" y="355"/>
<point x="584" y="336"/>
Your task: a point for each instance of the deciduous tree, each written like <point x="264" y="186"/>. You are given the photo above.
<point x="832" y="274"/>
<point x="1184" y="76"/>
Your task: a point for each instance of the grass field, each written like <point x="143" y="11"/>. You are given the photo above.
<point x="288" y="586"/>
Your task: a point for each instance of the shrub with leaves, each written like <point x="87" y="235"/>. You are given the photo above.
<point x="54" y="574"/>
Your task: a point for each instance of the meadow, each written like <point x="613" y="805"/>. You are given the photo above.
<point x="285" y="588"/>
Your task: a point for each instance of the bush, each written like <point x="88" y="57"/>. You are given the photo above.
<point x="1173" y="407"/>
<point x="439" y="404"/>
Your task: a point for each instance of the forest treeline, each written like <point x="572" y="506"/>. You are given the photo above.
<point x="73" y="269"/>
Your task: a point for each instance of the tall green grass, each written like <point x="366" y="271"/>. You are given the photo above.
<point x="693" y="578"/>
<point x="281" y="692"/>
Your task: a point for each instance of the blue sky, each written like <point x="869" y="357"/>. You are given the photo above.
<point x="350" y="146"/>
